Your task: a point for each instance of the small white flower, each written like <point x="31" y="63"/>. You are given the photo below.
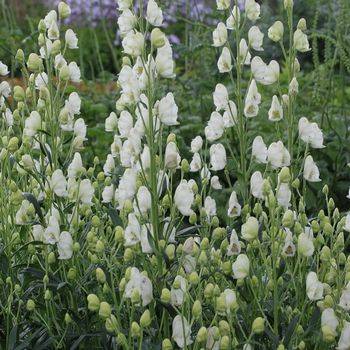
<point x="196" y="163"/>
<point x="142" y="284"/>
<point x="234" y="247"/>
<point x="73" y="104"/>
<point x="220" y="97"/>
<point x="210" y="206"/>
<point x="255" y="38"/>
<point x="244" y="54"/>
<point x="172" y="157"/>
<point x="108" y="194"/>
<point x="76" y="166"/>
<point x="252" y="10"/>
<point x="301" y="42"/>
<point x="250" y="229"/>
<point x="215" y="183"/>
<point x="65" y="246"/>
<point x="305" y="244"/>
<point x="222" y="4"/>
<point x="329" y="323"/>
<point x="5" y="89"/>
<point x="144" y="200"/>
<point x="284" y="195"/>
<point x="86" y="192"/>
<point x="32" y="124"/>
<point x="217" y="157"/>
<point x="133" y="43"/>
<point x="71" y="39"/>
<point x="240" y="267"/>
<point x="234" y="208"/>
<point x="184" y="198"/>
<point x="215" y="128"/>
<point x="310" y="133"/>
<point x="311" y="172"/>
<point x="109" y="166"/>
<point x="277" y="155"/>
<point x="263" y="73"/>
<point x="344" y="301"/>
<point x="177" y="295"/>
<point x="344" y="340"/>
<point x="126" y="22"/>
<point x="167" y="110"/>
<point x="3" y="69"/>
<point x="225" y="61"/>
<point x="58" y="183"/>
<point x="259" y="150"/>
<point x="164" y="61"/>
<point x="111" y="122"/>
<point x="256" y="185"/>
<point x="276" y="110"/>
<point x="196" y="144"/>
<point x="314" y="288"/>
<point x="252" y="101"/>
<point x="74" y="72"/>
<point x="154" y="14"/>
<point x="230" y="115"/>
<point x="234" y="19"/>
<point x="181" y="332"/>
<point x="52" y="231"/>
<point x="220" y="35"/>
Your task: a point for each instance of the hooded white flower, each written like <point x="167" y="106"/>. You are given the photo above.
<point x="142" y="284"/>
<point x="124" y="4"/>
<point x="108" y="194"/>
<point x="111" y="122"/>
<point x="234" y="208"/>
<point x="125" y="124"/>
<point x="74" y="72"/>
<point x="164" y="61"/>
<point x="240" y="267"/>
<point x="144" y="200"/>
<point x="215" y="128"/>
<point x="277" y="155"/>
<point x="217" y="157"/>
<point x="252" y="101"/>
<point x="222" y="4"/>
<point x="181" y="331"/>
<point x="172" y="157"/>
<point x="32" y="124"/>
<point x="252" y="10"/>
<point x="177" y="295"/>
<point x="215" y="183"/>
<point x="263" y="73"/>
<point x="109" y="165"/>
<point x="284" y="195"/>
<point x="289" y="246"/>
<point x="311" y="172"/>
<point x="196" y="163"/>
<point x="154" y="14"/>
<point x="76" y="166"/>
<point x="256" y="185"/>
<point x="53" y="33"/>
<point x="8" y="117"/>
<point x="167" y="110"/>
<point x="3" y="69"/>
<point x="126" y="22"/>
<point x="259" y="150"/>
<point x="58" y="183"/>
<point x="49" y="18"/>
<point x="329" y="323"/>
<point x="71" y="39"/>
<point x="344" y="340"/>
<point x="225" y="61"/>
<point x="129" y="83"/>
<point x="344" y="301"/>
<point x="255" y="38"/>
<point x="220" y="97"/>
<point x="210" y="206"/>
<point x="65" y="246"/>
<point x="234" y="18"/>
<point x="230" y="115"/>
<point x="132" y="232"/>
<point x="305" y="243"/>
<point x="184" y="198"/>
<point x="5" y="89"/>
<point x="244" y="54"/>
<point x="276" y="110"/>
<point x="86" y="191"/>
<point x="234" y="247"/>
<point x="196" y="144"/>
<point x="275" y="32"/>
<point x="250" y="229"/>
<point x="230" y="300"/>
<point x="126" y="188"/>
<point x="301" y="42"/>
<point x="79" y="128"/>
<point x="347" y="222"/>
<point x="52" y="230"/>
<point x="73" y="104"/>
<point x="310" y="133"/>
<point x="133" y="43"/>
<point x="219" y="35"/>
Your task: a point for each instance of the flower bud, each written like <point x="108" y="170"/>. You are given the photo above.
<point x="135" y="330"/>
<point x="20" y="56"/>
<point x="51" y="259"/>
<point x="258" y="325"/>
<point x="100" y="276"/>
<point x="30" y="305"/>
<point x="202" y="335"/>
<point x="64" y="73"/>
<point x="145" y="319"/>
<point x="93" y="302"/>
<point x="18" y="93"/>
<point x="104" y="310"/>
<point x="157" y="38"/>
<point x="111" y="324"/>
<point x="35" y="63"/>
<point x="275" y="32"/>
<point x="64" y="10"/>
<point x="288" y="4"/>
<point x="166" y="344"/>
<point x="165" y="296"/>
<point x="225" y="343"/>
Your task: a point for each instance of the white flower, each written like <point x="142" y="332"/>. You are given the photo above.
<point x="41" y="80"/>
<point x="172" y="157"/>
<point x="252" y="101"/>
<point x="196" y="144"/>
<point x="142" y="284"/>
<point x="250" y="229"/>
<point x="240" y="267"/>
<point x="181" y="332"/>
<point x="277" y="155"/>
<point x="276" y="110"/>
<point x="222" y="4"/>
<point x="215" y="128"/>
<point x="244" y="54"/>
<point x="210" y="206"/>
<point x="275" y="32"/>
<point x="71" y="39"/>
<point x="8" y="116"/>
<point x="220" y="97"/>
<point x="215" y="183"/>
<point x="234" y="247"/>
<point x="234" y="18"/>
<point x="167" y="110"/>
<point x="154" y="14"/>
<point x="124" y="4"/>
<point x="256" y="185"/>
<point x="220" y="35"/>
<point x="132" y="233"/>
<point x="311" y="172"/>
<point x="3" y="69"/>
<point x="259" y="150"/>
<point x="59" y="62"/>
<point x="225" y="61"/>
<point x="49" y="18"/>
<point x="126" y="22"/>
<point x="38" y="233"/>
<point x="125" y="124"/>
<point x="310" y="133"/>
<point x="32" y="124"/>
<point x="344" y="340"/>
<point x="74" y="72"/>
<point x="133" y="43"/>
<point x="146" y="232"/>
<point x="263" y="73"/>
<point x="86" y="191"/>
<point x="230" y="300"/>
<point x="65" y="246"/>
<point x="301" y="42"/>
<point x="344" y="301"/>
<point x="107" y="194"/>
<point x="111" y="122"/>
<point x="21" y="214"/>
<point x="293" y="87"/>
<point x="255" y="38"/>
<point x="126" y="188"/>
<point x="80" y="128"/>
<point x="252" y="10"/>
<point x="76" y="166"/>
<point x="284" y="195"/>
<point x="129" y="84"/>
<point x="196" y="163"/>
<point x="329" y="324"/>
<point x="234" y="208"/>
<point x="217" y="157"/>
<point x="5" y="89"/>
<point x="52" y="231"/>
<point x="164" y="61"/>
<point x="289" y="246"/>
<point x="305" y="244"/>
<point x="177" y="295"/>
<point x="184" y="198"/>
<point x="109" y="165"/>
<point x="347" y="223"/>
<point x="144" y="200"/>
<point x="58" y="183"/>
<point x="53" y="32"/>
<point x="230" y="115"/>
<point x="73" y="104"/>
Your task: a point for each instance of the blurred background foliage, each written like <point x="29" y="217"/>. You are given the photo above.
<point x="324" y="81"/>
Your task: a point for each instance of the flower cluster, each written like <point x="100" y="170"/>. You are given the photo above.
<point x="130" y="252"/>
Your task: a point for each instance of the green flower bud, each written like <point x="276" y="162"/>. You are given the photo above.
<point x="275" y="32"/>
<point x="13" y="144"/>
<point x="165" y="296"/>
<point x="30" y="305"/>
<point x="258" y="325"/>
<point x="100" y="275"/>
<point x="51" y="259"/>
<point x="35" y="63"/>
<point x="135" y="330"/>
<point x="72" y="273"/>
<point x="128" y="255"/>
<point x="288" y="219"/>
<point x="20" y="56"/>
<point x="47" y="295"/>
<point x="18" y="93"/>
<point x="158" y="38"/>
<point x="93" y="302"/>
<point x="104" y="310"/>
<point x="202" y="335"/>
<point x="166" y="344"/>
<point x="67" y="318"/>
<point x="197" y="309"/>
<point x="284" y="175"/>
<point x="64" y="73"/>
<point x="145" y="319"/>
<point x="209" y="291"/>
<point x="64" y="10"/>
<point x="328" y="229"/>
<point x="185" y="166"/>
<point x="193" y="218"/>
<point x="225" y="343"/>
<point x="288" y="4"/>
<point x="296" y="183"/>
